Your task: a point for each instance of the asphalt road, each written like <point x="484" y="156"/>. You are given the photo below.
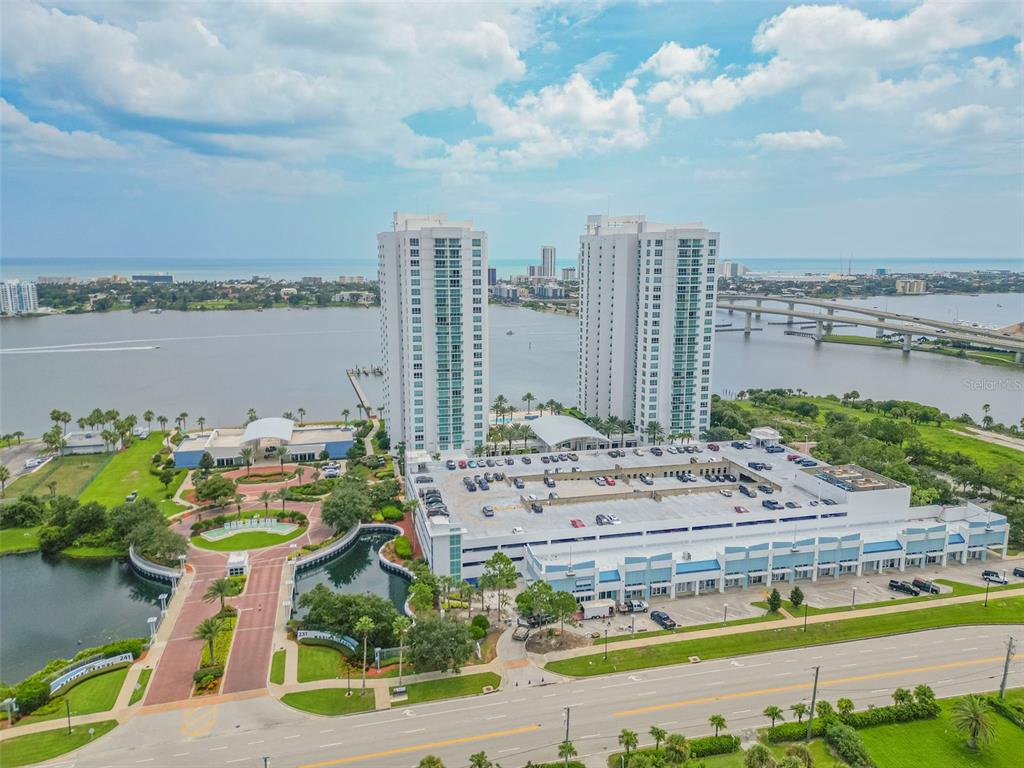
<point x="527" y="723"/>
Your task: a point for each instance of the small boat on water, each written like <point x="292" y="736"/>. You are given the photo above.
<point x="508" y="333"/>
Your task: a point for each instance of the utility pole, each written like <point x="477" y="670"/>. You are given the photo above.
<point x="1006" y="667"/>
<point x="814" y="697"/>
<point x="567" y="735"/>
<point x="67" y="707"/>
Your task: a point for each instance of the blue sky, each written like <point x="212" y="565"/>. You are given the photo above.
<point x="291" y="131"/>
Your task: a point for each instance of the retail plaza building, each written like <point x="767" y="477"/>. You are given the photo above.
<point x="655" y="533"/>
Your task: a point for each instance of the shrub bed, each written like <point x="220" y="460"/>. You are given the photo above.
<point x="706" y="746"/>
<point x="403" y="547"/>
<point x="1011" y="710"/>
<point x="847" y="744"/>
<point x="285" y="516"/>
<point x="926" y="709"/>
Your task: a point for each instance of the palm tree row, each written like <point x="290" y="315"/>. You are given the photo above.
<point x="509" y="432"/>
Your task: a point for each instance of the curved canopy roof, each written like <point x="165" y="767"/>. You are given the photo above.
<point x="277" y="428"/>
<point x="553" y="430"/>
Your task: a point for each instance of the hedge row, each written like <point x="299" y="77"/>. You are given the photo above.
<point x="705" y="746"/>
<point x="1010" y="710"/>
<point x="866" y="718"/>
<point x="848" y="745"/>
<point x="218" y="522"/>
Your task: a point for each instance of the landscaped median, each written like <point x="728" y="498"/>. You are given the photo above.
<point x="38" y="747"/>
<point x="1000" y="610"/>
<point x="330" y="701"/>
<point x="450" y="687"/>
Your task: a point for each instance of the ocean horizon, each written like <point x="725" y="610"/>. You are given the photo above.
<point x="188" y="268"/>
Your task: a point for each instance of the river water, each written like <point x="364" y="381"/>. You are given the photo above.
<point x="220" y="364"/>
<point x="358" y="570"/>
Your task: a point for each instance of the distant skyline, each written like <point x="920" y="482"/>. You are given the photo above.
<point x="290" y="132"/>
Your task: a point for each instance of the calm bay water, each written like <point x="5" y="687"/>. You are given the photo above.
<point x="358" y="570"/>
<point x="219" y="364"/>
<point x="54" y="607"/>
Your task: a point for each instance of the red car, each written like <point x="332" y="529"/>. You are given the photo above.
<point x="462" y="463"/>
<point x="741" y="510"/>
<point x="712" y="446"/>
<point x="577" y="523"/>
<point x="792" y="457"/>
<point x="610" y="480"/>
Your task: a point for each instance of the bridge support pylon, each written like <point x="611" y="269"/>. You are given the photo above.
<point x="907" y="338"/>
<point x="818" y="331"/>
<point x="789" y="320"/>
<point x="758" y="303"/>
<point x="1018" y="357"/>
<point x="747" y="324"/>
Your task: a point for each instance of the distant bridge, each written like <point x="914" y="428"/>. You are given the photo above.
<point x="882" y="321"/>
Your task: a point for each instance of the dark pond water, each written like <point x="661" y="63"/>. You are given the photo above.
<point x="358" y="570"/>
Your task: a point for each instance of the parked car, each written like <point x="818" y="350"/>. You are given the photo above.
<point x="774" y="449"/>
<point x="646" y="479"/>
<point x="573" y="456"/>
<point x="663" y="620"/>
<point x="994" y="577"/>
<point x="610" y="480"/>
<point x="471" y="463"/>
<point x="509" y="461"/>
<point x="518" y="483"/>
<point x="488" y="510"/>
<point x="747" y="492"/>
<point x="549" y="482"/>
<point x="633" y="606"/>
<point x="1019" y="572"/>
<point x="517" y="529"/>
<point x="424" y="479"/>
<point x="713" y="447"/>
<point x="545" y="459"/>
<point x="484" y="485"/>
<point x="577" y="523"/>
<point x="926" y="586"/>
<point x="727" y="494"/>
<point x="552" y="495"/>
<point x="600" y="481"/>
<point x="535" y="507"/>
<point x="613" y="519"/>
<point x="741" y="510"/>
<point x="792" y="457"/>
<point x="828" y="502"/>
<point x="767" y="489"/>
<point x="656" y="451"/>
<point x="904" y="587"/>
<point x="132" y="496"/>
<point x="527" y="460"/>
<point x="639" y="452"/>
<point x="450" y="464"/>
<point x="793" y="505"/>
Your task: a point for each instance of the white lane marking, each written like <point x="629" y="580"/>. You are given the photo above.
<point x="667" y="723"/>
<point x="329" y="730"/>
<point x="942" y="682"/>
<point x="293" y="736"/>
<point x="236" y="760"/>
<point x="146" y="760"/>
<point x="255" y="742"/>
<point x="495" y="717"/>
<point x="891" y="648"/>
<point x="180" y="754"/>
<point x="868" y="650"/>
<point x="332" y="744"/>
<point x="913" y="656"/>
<point x="648" y="693"/>
<point x="844" y="666"/>
<point x="880" y="690"/>
<point x="510" y="749"/>
<point x="815" y="658"/>
<point x="415" y="730"/>
<point x="549" y="695"/>
<point x="741" y="711"/>
<point x="215" y="749"/>
<point x="784" y="674"/>
<point x="591" y="736"/>
<point x="972" y="648"/>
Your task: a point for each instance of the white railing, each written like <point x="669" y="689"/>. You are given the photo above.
<point x="87" y="669"/>
<point x="151" y="569"/>
<point x="315" y="634"/>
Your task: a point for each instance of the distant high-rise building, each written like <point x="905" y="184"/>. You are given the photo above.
<point x="18" y="297"/>
<point x="647" y="303"/>
<point x="351" y="279"/>
<point x="533" y="270"/>
<point x="569" y="274"/>
<point x="434" y="332"/>
<point x="731" y="269"/>
<point x="492" y="276"/>
<point x="159" y="277"/>
<point x="911" y="286"/>
<point x="547" y="261"/>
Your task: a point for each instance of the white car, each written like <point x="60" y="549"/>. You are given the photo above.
<point x="727" y="494"/>
<point x="613" y="519"/>
<point x="32" y="463"/>
<point x="532" y="497"/>
<point x="517" y="529"/>
<point x="639" y="451"/>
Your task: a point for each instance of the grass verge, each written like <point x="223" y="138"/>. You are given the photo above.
<point x="277" y="668"/>
<point x="15" y="540"/>
<point x="38" y="747"/>
<point x="330" y="701"/>
<point x="1001" y="610"/>
<point x="97" y="552"/>
<point x="450" y="687"/>
<point x="95" y="694"/>
<point x="246" y="540"/>
<point x="129" y="471"/>
<point x="140" y="687"/>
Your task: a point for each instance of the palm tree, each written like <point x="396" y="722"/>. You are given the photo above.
<point x="345" y="414"/>
<point x="566" y="750"/>
<point x="677" y="750"/>
<point x="207" y="631"/>
<point x="281" y="494"/>
<point x="654" y="430"/>
<point x="430" y="762"/>
<point x="970" y="716"/>
<point x="250" y="415"/>
<point x="759" y="756"/>
<point x="528" y="398"/>
<point x="282" y="455"/>
<point x="52" y="486"/>
<point x="844" y="707"/>
<point x="526" y="433"/>
<point x="201" y="421"/>
<point x="18" y="434"/>
<point x="162" y="421"/>
<point x="266" y="497"/>
<point x="302" y="414"/>
<point x="288" y="415"/>
<point x="147" y="416"/>
<point x="717" y="722"/>
<point x="902" y="696"/>
<point x="799" y="709"/>
<point x="5" y="475"/>
<point x="247" y="454"/>
<point x="400" y="626"/>
<point x="218" y="590"/>
<point x="659" y="735"/>
<point x="628" y="740"/>
<point x="774" y="713"/>
<point x="82" y="421"/>
<point x="184" y="420"/>
<point x="364" y="626"/>
<point x="499" y="406"/>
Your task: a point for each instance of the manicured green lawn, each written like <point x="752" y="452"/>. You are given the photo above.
<point x="246" y="540"/>
<point x="693" y="628"/>
<point x="318" y="662"/>
<point x="140" y="687"/>
<point x="129" y="471"/>
<point x="450" y="687"/>
<point x="1000" y="610"/>
<point x="13" y="540"/>
<point x="96" y="694"/>
<point x="37" y="747"/>
<point x="71" y="473"/>
<point x="87" y="552"/>
<point x="330" y="701"/>
<point x="277" y="668"/>
<point x="936" y="742"/>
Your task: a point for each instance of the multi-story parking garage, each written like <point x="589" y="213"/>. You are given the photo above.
<point x="638" y="524"/>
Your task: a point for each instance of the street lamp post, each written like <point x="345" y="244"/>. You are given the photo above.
<point x="987" y="583"/>
<point x="606" y="643"/>
<point x="805" y="617"/>
<point x="567" y="736"/>
<point x="853" y="600"/>
<point x="725" y="613"/>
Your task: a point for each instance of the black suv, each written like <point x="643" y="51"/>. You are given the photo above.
<point x="1018" y="572"/>
<point x="904" y="587"/>
<point x="663" y="620"/>
<point x="926" y="586"/>
<point x="747" y="492"/>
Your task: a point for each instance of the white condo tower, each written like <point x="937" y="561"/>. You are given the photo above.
<point x="434" y="332"/>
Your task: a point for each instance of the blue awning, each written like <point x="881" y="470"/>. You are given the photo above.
<point x="882" y="546"/>
<point x="696" y="566"/>
<point x="956" y="538"/>
<point x="609" y="576"/>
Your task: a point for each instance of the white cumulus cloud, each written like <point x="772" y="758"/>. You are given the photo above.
<point x="796" y="140"/>
<point x="21" y="133"/>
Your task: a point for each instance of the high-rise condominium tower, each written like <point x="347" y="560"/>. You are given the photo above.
<point x="647" y="303"/>
<point x="547" y="260"/>
<point x="17" y="297"/>
<point x="434" y="331"/>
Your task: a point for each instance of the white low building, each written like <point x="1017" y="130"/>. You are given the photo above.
<point x="264" y="436"/>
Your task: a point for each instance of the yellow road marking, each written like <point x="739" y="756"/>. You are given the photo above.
<point x="196" y="723"/>
<point x="801" y="686"/>
<point x="419" y="747"/>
